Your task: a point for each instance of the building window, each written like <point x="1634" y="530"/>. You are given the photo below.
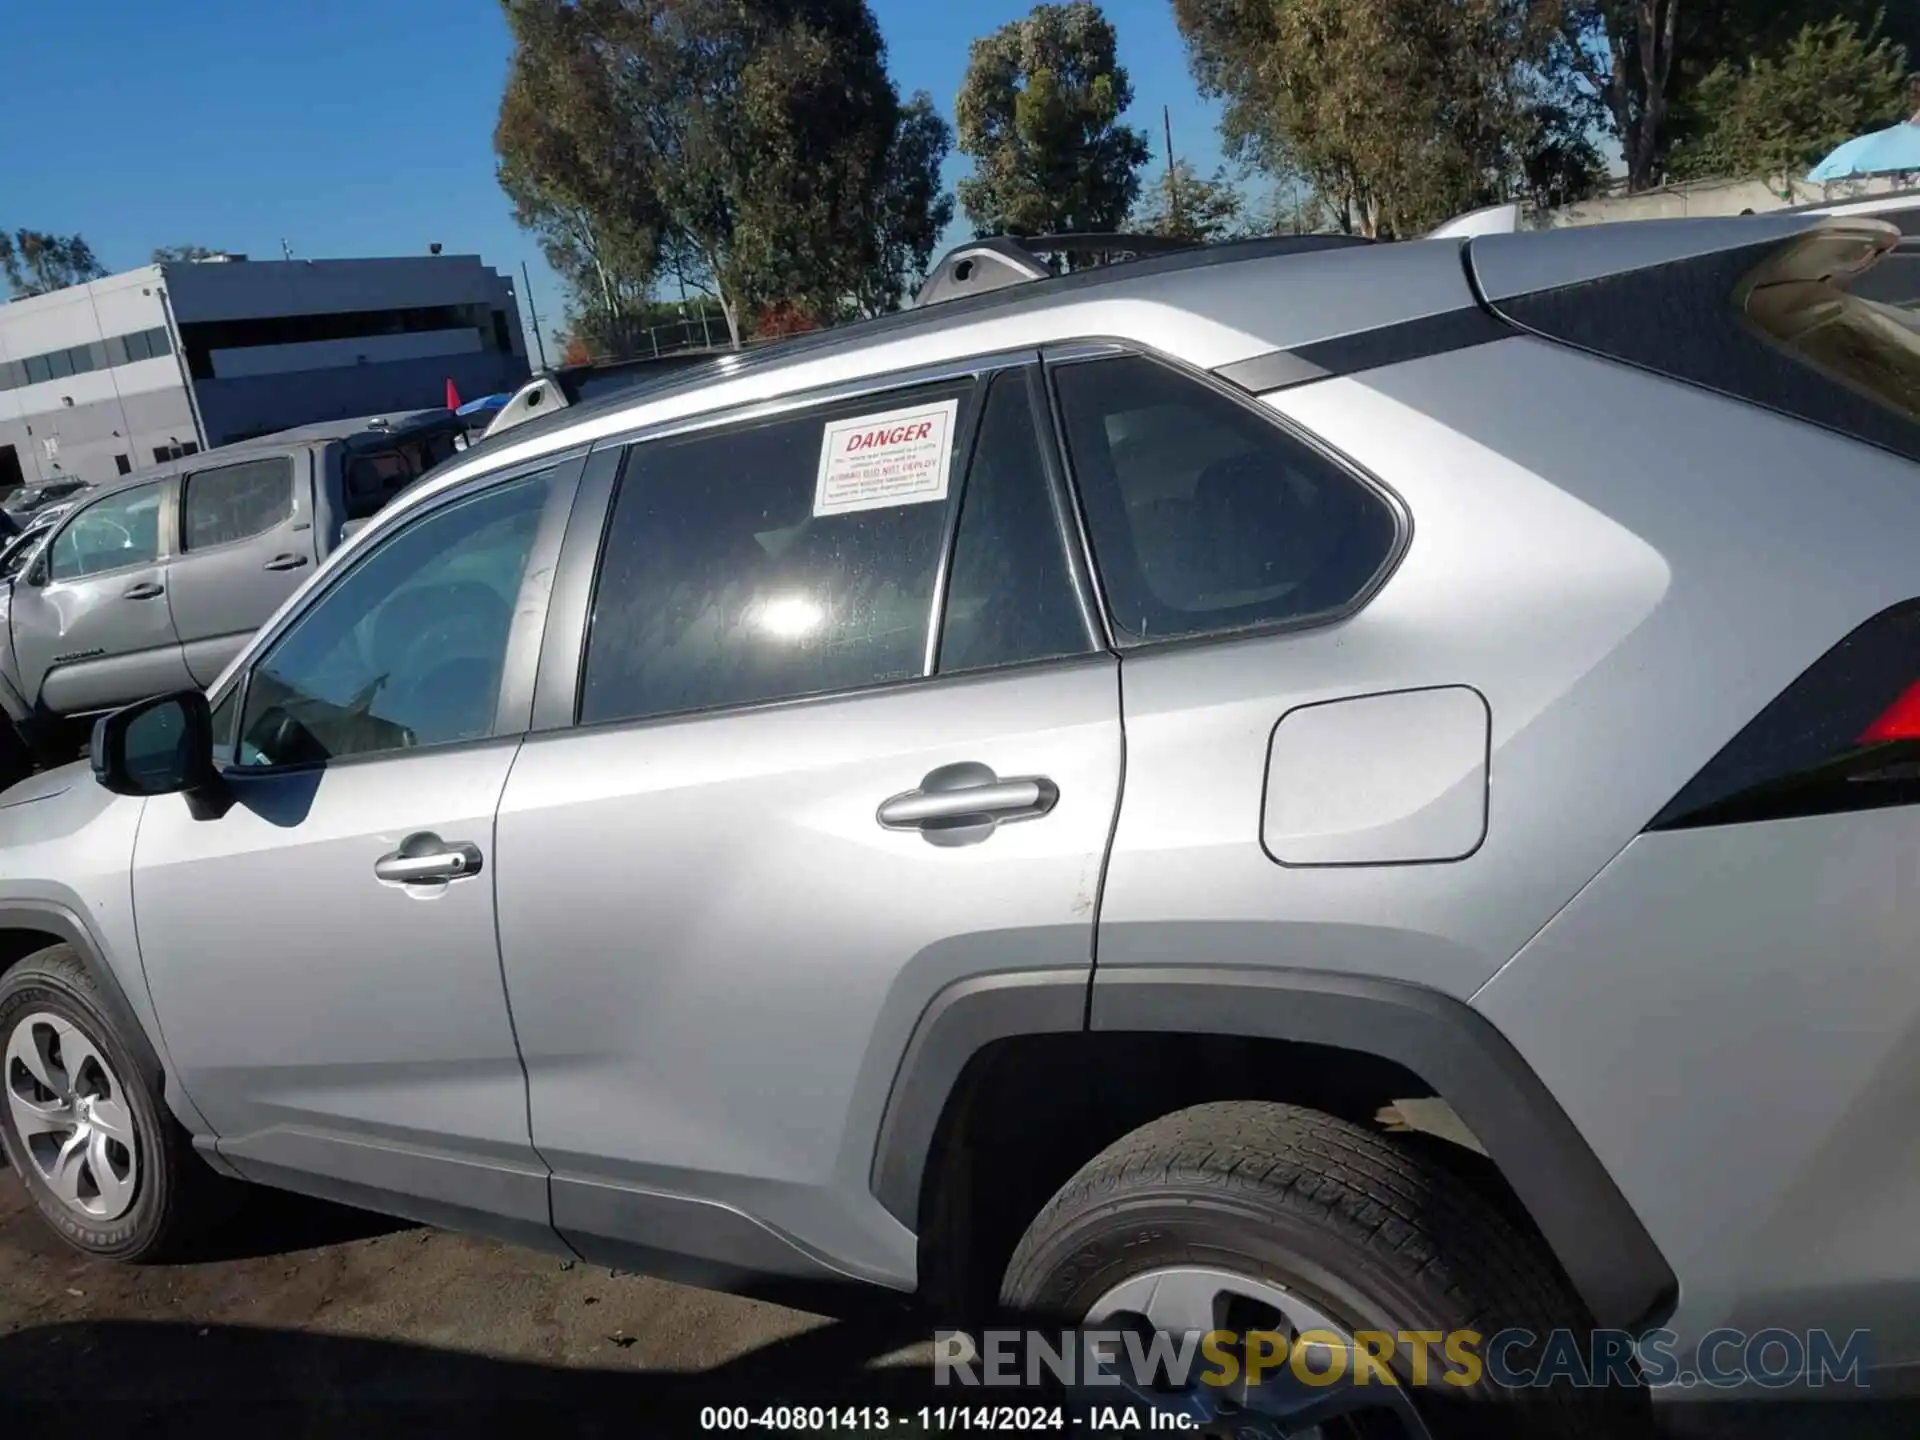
<point x="122" y="465"/>
<point x="201" y="338"/>
<point x="37" y="369"/>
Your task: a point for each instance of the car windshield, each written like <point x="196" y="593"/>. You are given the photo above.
<point x="18" y="552"/>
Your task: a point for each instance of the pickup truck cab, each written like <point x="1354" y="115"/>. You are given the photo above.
<point x="157" y="580"/>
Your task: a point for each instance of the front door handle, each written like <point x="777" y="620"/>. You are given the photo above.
<point x="145" y="590"/>
<point x="285" y="562"/>
<point x="960" y="804"/>
<point x="426" y="859"/>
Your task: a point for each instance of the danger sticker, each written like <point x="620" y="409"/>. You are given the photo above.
<point x="870" y="462"/>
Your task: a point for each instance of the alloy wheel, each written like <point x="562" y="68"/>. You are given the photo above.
<point x="1180" y="1301"/>
<point x="71" y="1114"/>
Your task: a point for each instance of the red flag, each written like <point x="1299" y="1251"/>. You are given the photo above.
<point x="453" y="396"/>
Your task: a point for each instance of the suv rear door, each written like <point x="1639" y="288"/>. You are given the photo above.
<point x="733" y="871"/>
<point x="242" y="544"/>
<point x="92" y="627"/>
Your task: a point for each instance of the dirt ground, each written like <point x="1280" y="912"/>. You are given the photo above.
<point x="320" y="1321"/>
<point x="308" y="1320"/>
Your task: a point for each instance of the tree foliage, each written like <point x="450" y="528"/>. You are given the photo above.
<point x="743" y="147"/>
<point x="168" y="254"/>
<point x="913" y="208"/>
<point x="1185" y="207"/>
<point x="1774" y="118"/>
<point x="1398" y="112"/>
<point x="1039" y="113"/>
<point x="36" y="262"/>
<point x="572" y="169"/>
<point x="1643" y="63"/>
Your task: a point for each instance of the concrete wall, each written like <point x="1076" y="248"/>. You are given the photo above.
<point x="336" y="354"/>
<point x="1711" y="198"/>
<point x="78" y="425"/>
<point x="239" y="408"/>
<point x="240" y="290"/>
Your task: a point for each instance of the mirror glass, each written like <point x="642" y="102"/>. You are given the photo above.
<point x="154" y="749"/>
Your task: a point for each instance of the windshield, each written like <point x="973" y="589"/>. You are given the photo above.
<point x="19" y="551"/>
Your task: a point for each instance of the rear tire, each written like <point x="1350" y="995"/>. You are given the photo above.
<point x="1322" y="1218"/>
<point x="84" y="1126"/>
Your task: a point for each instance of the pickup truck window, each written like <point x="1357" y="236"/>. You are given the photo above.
<point x="110" y="534"/>
<point x="375" y="477"/>
<point x="234" y="502"/>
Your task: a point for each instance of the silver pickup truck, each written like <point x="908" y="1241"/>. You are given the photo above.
<point x="155" y="581"/>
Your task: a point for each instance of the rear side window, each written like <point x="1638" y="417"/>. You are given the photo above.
<point x="375" y="477"/>
<point x="771" y="560"/>
<point x="1010" y="596"/>
<point x="1797" y="328"/>
<point x="1871" y="346"/>
<point x="235" y="502"/>
<point x="1204" y="515"/>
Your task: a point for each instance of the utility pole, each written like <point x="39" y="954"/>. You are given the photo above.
<point x="1173" y="186"/>
<point x="526" y="281"/>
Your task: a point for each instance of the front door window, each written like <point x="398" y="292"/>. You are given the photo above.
<point x="409" y="648"/>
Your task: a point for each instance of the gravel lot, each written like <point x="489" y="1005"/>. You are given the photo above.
<point x="321" y="1321"/>
<point x="324" y="1321"/>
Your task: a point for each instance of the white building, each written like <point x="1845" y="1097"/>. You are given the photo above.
<point x="100" y="379"/>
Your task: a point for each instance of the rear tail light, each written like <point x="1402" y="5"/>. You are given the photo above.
<point x="1844" y="736"/>
<point x="1899" y="721"/>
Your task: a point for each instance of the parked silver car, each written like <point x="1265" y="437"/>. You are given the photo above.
<point x="1295" y="786"/>
<point x="157" y="579"/>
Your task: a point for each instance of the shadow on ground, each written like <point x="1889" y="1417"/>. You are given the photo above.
<point x="275" y="1222"/>
<point x="151" y="1379"/>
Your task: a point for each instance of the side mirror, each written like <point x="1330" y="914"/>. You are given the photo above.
<point x="161" y="746"/>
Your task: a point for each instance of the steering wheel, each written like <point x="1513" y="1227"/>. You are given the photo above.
<point x="86" y="527"/>
<point x="447" y="671"/>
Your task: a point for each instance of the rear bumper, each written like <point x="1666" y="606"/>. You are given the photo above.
<point x="1730" y="1016"/>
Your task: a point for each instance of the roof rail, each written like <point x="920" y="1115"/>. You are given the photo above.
<point x="996" y="262"/>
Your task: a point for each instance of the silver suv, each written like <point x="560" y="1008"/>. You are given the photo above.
<point x="1342" y="787"/>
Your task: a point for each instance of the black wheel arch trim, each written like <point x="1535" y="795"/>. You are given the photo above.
<point x="52" y="918"/>
<point x="958" y="1023"/>
<point x="1606" y="1252"/>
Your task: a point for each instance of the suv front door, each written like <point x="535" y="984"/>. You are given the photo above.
<point x="321" y="951"/>
<point x="728" y="893"/>
<point x="92" y="627"/>
<point x="245" y="543"/>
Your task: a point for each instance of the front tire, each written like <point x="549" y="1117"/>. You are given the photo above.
<point x="83" y="1124"/>
<point x="1262" y="1217"/>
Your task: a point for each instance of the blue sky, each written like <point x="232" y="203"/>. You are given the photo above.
<point x="363" y="128"/>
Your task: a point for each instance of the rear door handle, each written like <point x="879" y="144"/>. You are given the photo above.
<point x="960" y="804"/>
<point x="426" y="859"/>
<point x="145" y="590"/>
<point x="285" y="562"/>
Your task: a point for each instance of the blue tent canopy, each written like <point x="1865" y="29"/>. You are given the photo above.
<point x="485" y="402"/>
<point x="1883" y="152"/>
